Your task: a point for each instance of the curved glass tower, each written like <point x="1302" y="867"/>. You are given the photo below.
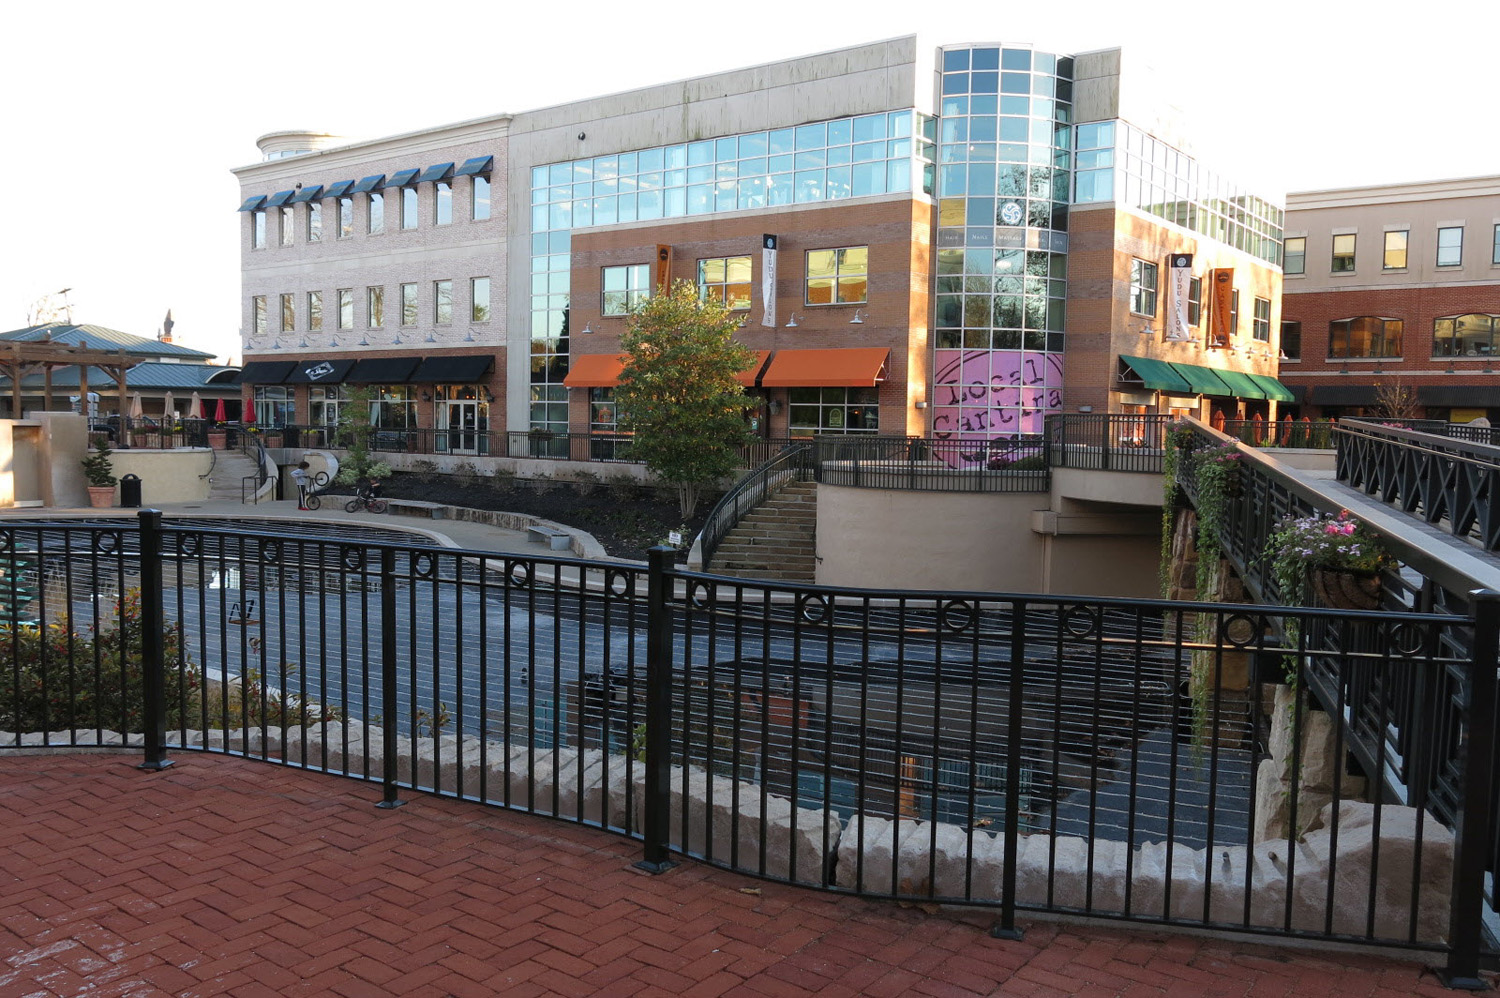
<point x="1004" y="170"/>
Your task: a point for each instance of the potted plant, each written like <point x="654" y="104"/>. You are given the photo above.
<point x="1338" y="559"/>
<point x="100" y="472"/>
<point x="1218" y="468"/>
<point x="218" y="436"/>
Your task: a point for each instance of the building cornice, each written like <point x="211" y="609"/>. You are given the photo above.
<point x="1424" y="190"/>
<point x="357" y="155"/>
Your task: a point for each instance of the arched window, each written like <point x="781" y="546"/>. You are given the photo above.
<point x="1472" y="335"/>
<point x="1365" y="336"/>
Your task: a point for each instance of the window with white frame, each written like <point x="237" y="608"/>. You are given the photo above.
<point x="1343" y="254"/>
<point x="1260" y="320"/>
<point x="408" y="207"/>
<point x="1294" y="255"/>
<point x="624" y="288"/>
<point x="1474" y="335"/>
<point x="408" y="304"/>
<point x="1195" y="301"/>
<point x="1142" y="287"/>
<point x="288" y="223"/>
<point x="1365" y="336"/>
<point x="258" y="314"/>
<point x="288" y="313"/>
<point x="1395" y="250"/>
<point x="314" y="221"/>
<point x="346" y="308"/>
<point x="377" y="213"/>
<point x="257" y="230"/>
<point x="346" y="217"/>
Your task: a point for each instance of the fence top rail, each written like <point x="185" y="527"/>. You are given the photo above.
<point x="1439" y="444"/>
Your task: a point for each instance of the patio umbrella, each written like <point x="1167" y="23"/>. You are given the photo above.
<point x="219" y="415"/>
<point x="136" y="409"/>
<point x="195" y="407"/>
<point x="166" y="407"/>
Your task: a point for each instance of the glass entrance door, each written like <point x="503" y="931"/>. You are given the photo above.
<point x="463" y="427"/>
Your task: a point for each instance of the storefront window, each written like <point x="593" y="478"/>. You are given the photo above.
<point x="833" y="410"/>
<point x="273" y="406"/>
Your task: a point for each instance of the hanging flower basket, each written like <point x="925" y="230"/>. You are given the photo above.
<point x="1345" y="590"/>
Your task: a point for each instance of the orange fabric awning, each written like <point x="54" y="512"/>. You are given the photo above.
<point x="594" y="370"/>
<point x="749" y="374"/>
<point x="855" y="367"/>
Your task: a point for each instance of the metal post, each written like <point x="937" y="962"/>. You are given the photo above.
<point x="1006" y="928"/>
<point x="388" y="705"/>
<point x="153" y="653"/>
<point x="658" y="714"/>
<point x="1471" y="833"/>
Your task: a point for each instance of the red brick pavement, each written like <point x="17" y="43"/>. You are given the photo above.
<point x="222" y="876"/>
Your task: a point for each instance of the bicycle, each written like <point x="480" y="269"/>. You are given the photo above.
<point x="370" y="504"/>
<point x="311" y="501"/>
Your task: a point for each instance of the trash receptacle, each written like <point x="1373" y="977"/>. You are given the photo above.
<point x="130" y="491"/>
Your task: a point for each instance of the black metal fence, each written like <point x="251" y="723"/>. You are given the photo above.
<point x="1026" y="753"/>
<point x="1107" y="442"/>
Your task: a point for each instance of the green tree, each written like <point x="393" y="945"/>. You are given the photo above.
<point x="680" y="393"/>
<point x="355" y="432"/>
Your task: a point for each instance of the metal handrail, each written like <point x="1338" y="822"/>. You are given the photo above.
<point x="794" y="463"/>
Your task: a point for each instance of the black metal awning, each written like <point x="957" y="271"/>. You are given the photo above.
<point x="319" y="372"/>
<point x="478" y="164"/>
<point x="368" y="184"/>
<point x="252" y="203"/>
<point x="309" y="193"/>
<point x="1323" y="395"/>
<point x="383" y="370"/>
<point x="462" y="370"/>
<point x="1460" y="396"/>
<point x="339" y="189"/>
<point x="439" y="171"/>
<point x="279" y="198"/>
<point x="402" y="177"/>
<point x="265" y="372"/>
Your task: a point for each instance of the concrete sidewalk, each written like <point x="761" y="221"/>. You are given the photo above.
<point x="222" y="876"/>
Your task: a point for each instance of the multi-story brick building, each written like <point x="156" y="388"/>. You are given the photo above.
<point x="1397" y="287"/>
<point x="956" y="241"/>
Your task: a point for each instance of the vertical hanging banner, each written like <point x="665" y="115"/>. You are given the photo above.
<point x="1177" y="312"/>
<point x="1222" y="311"/>
<point x="663" y="267"/>
<point x="768" y="279"/>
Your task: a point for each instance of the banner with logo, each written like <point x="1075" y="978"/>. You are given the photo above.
<point x="1177" y="309"/>
<point x="768" y="279"/>
<point x="663" y="268"/>
<point x="1221" y="328"/>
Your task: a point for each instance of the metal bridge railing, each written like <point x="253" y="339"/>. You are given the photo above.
<point x="1020" y="753"/>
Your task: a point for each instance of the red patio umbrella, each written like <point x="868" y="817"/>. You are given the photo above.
<point x="219" y="412"/>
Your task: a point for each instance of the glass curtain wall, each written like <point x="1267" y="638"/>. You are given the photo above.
<point x="1004" y="176"/>
<point x="863" y="156"/>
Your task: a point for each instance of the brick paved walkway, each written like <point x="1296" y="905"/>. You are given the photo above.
<point x="221" y="876"/>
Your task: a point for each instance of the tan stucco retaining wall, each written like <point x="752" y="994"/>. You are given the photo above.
<point x="166" y="475"/>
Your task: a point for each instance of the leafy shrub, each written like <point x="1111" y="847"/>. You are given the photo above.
<point x="424" y="471"/>
<point x="623" y="486"/>
<point x="466" y="475"/>
<point x="585" y="482"/>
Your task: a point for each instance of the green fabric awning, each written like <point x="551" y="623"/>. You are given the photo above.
<point x="1241" y="384"/>
<point x="1156" y="374"/>
<point x="1203" y="380"/>
<point x="1275" y="390"/>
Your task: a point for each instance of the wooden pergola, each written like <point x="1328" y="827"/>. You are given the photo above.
<point x="19" y="359"/>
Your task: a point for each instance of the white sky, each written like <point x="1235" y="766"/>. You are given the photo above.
<point x="121" y="121"/>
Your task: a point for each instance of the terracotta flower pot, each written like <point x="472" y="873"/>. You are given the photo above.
<point x="101" y="496"/>
<point x="1342" y="590"/>
<point x="218" y="441"/>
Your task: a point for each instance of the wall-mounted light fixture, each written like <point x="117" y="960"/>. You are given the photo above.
<point x="426" y="396"/>
<point x="773" y="406"/>
<point x="364" y="340"/>
<point x="397" y="340"/>
<point x="1085" y="408"/>
<point x="791" y="321"/>
<point x="859" y="317"/>
<point x="588" y="330"/>
<point x="333" y="341"/>
<point x="744" y="319"/>
<point x="921" y="403"/>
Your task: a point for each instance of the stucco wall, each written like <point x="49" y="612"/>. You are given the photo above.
<point x="929" y="540"/>
<point x="166" y="475"/>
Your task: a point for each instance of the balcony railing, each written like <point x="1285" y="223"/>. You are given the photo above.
<point x="1023" y="753"/>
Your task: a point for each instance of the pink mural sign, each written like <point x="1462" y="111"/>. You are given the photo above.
<point x="982" y="395"/>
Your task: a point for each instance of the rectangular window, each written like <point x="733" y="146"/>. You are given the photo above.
<point x="258" y="309"/>
<point x="375" y="307"/>
<point x="1395" y="250"/>
<point x="288" y="313"/>
<point x="444" y="202"/>
<point x="314" y="221"/>
<point x="442" y="302"/>
<point x="833" y="410"/>
<point x="838" y="276"/>
<point x="408" y="207"/>
<point x="1450" y="246"/>
<point x="1142" y="287"/>
<point x="1495" y="254"/>
<point x="1195" y="301"/>
<point x="1260" y="321"/>
<point x="1234" y="312"/>
<point x="377" y="213"/>
<point x="1291" y="340"/>
<point x="346" y="308"/>
<point x="1473" y="335"/>
<point x="481" y="204"/>
<point x="1366" y="336"/>
<point x="288" y="224"/>
<point x="624" y="288"/>
<point x="725" y="279"/>
<point x="346" y="217"/>
<point x="315" y="310"/>
<point x="1343" y="254"/>
<point x="408" y="304"/>
<point x="258" y="230"/>
<point x="479" y="296"/>
<point x="1295" y="255"/>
